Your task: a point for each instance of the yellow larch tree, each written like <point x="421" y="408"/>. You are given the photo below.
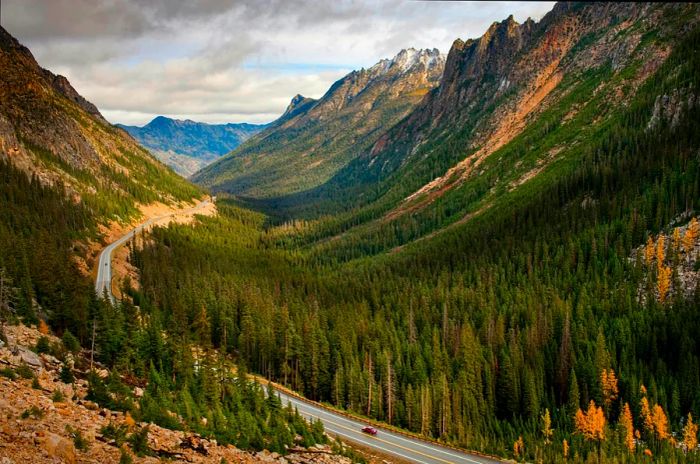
<point x="646" y="414"/>
<point x="591" y="424"/>
<point x="628" y="425"/>
<point x="649" y="251"/>
<point x="129" y="421"/>
<point x="565" y="449"/>
<point x="43" y="327"/>
<point x="547" y="430"/>
<point x="658" y="416"/>
<point x="663" y="284"/>
<point x="676" y="241"/>
<point x="660" y="251"/>
<point x="691" y="235"/>
<point x="690" y="434"/>
<point x="519" y="447"/>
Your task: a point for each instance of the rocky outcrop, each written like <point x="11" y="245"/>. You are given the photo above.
<point x="670" y="107"/>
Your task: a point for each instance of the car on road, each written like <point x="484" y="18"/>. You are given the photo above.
<point x="369" y="430"/>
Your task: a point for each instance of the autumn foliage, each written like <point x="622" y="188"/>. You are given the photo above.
<point x="591" y="424"/>
<point x="691" y="235"/>
<point x="519" y="447"/>
<point x="690" y="434"/>
<point x="628" y="425"/>
<point x="608" y="383"/>
<point x="655" y="420"/>
<point x="663" y="283"/>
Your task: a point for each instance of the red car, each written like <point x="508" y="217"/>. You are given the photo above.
<point x="369" y="430"/>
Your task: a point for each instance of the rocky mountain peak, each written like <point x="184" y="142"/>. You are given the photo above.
<point x="296" y="105"/>
<point x="409" y="60"/>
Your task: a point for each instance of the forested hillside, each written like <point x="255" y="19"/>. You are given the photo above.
<point x="540" y="307"/>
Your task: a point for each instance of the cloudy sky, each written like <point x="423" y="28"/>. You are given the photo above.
<point x="231" y="60"/>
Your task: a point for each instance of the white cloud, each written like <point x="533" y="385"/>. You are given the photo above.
<point x="231" y="61"/>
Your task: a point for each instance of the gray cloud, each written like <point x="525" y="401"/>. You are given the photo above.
<point x="215" y="60"/>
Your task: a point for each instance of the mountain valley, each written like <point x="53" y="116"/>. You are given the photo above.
<point x="490" y="255"/>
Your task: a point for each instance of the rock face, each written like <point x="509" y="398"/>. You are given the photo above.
<point x="187" y="146"/>
<point x="670" y="108"/>
<point x="313" y="139"/>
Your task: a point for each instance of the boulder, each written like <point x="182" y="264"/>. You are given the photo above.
<point x="58" y="447"/>
<point x="29" y="357"/>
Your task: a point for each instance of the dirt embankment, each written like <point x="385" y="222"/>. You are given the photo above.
<point x="182" y="212"/>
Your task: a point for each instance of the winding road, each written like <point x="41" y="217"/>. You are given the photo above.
<point x="387" y="443"/>
<point x="103" y="282"/>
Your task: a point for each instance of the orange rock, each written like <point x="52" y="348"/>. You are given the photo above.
<point x="59" y="447"/>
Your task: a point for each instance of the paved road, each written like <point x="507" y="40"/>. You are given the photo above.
<point x="104" y="266"/>
<point x="385" y="442"/>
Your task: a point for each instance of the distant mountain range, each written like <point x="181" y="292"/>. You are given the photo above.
<point x="187" y="146"/>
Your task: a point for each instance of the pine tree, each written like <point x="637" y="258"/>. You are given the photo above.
<point x="574" y="400"/>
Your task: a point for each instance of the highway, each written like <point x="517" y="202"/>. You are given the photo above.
<point x="349" y="430"/>
<point x="385" y="442"/>
<point x="103" y="282"/>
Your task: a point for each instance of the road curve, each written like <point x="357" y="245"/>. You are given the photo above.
<point x="103" y="282"/>
<point x="385" y="442"/>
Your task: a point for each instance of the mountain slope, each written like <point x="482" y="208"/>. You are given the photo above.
<point x="314" y="139"/>
<point x="47" y="129"/>
<point x="187" y="146"/>
<point x="535" y="78"/>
